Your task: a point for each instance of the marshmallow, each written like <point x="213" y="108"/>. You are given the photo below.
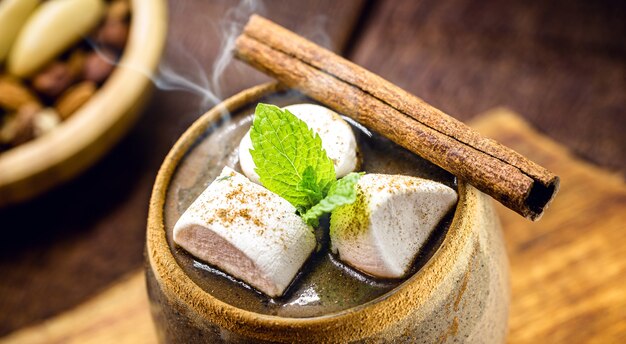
<point x="247" y="231"/>
<point x="382" y="232"/>
<point x="337" y="139"/>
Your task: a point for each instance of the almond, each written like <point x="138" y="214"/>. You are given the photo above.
<point x="13" y="94"/>
<point x="20" y="127"/>
<point x="76" y="63"/>
<point x="74" y="98"/>
<point x="53" y="80"/>
<point x="98" y="66"/>
<point x="13" y="15"/>
<point x="113" y="33"/>
<point x="59" y="75"/>
<point x="54" y="27"/>
<point x="7" y="129"/>
<point x="119" y="10"/>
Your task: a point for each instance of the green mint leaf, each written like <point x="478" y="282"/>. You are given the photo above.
<point x="308" y="185"/>
<point x="341" y="192"/>
<point x="289" y="157"/>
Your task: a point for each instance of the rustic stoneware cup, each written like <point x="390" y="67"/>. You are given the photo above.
<point x="460" y="295"/>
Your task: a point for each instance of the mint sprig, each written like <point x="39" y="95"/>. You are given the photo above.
<point x="289" y="157"/>
<point x="342" y="192"/>
<point x="292" y="163"/>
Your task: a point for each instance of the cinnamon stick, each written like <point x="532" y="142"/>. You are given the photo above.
<point x="506" y="175"/>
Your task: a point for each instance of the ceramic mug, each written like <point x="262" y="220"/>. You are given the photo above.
<point x="461" y="294"/>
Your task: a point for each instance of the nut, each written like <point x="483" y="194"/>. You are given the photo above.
<point x="20" y="127"/>
<point x="98" y="66"/>
<point x="113" y="33"/>
<point x="53" y="80"/>
<point x="58" y="76"/>
<point x="7" y="129"/>
<point x="74" y="98"/>
<point x="49" y="31"/>
<point x="44" y="121"/>
<point x="76" y="63"/>
<point x="13" y="15"/>
<point x="119" y="10"/>
<point x="14" y="95"/>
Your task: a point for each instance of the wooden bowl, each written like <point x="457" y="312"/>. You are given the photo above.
<point x="36" y="166"/>
<point x="460" y="294"/>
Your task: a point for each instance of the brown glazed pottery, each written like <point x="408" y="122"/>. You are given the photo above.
<point x="460" y="295"/>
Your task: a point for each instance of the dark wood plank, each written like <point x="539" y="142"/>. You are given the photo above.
<point x="120" y="315"/>
<point x="561" y="64"/>
<point x="62" y="248"/>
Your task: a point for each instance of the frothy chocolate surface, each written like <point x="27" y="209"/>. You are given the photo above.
<point x="324" y="285"/>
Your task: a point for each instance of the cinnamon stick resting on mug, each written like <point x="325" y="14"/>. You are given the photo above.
<point x="504" y="174"/>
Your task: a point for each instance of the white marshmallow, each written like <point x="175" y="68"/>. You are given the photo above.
<point x="382" y="232"/>
<point x="337" y="139"/>
<point x="247" y="231"/>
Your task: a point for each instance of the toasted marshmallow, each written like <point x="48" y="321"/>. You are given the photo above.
<point x="337" y="139"/>
<point x="247" y="231"/>
<point x="382" y="232"/>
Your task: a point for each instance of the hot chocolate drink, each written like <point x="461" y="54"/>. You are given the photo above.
<point x="324" y="284"/>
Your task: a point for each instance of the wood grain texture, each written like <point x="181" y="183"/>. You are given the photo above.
<point x="568" y="271"/>
<point x="90" y="232"/>
<point x="561" y="64"/>
<point x="119" y="315"/>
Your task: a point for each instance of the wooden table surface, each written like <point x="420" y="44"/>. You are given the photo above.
<point x="561" y="65"/>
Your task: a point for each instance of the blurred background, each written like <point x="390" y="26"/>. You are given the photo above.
<point x="560" y="65"/>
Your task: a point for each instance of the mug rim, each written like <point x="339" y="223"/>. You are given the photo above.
<point x="389" y="308"/>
